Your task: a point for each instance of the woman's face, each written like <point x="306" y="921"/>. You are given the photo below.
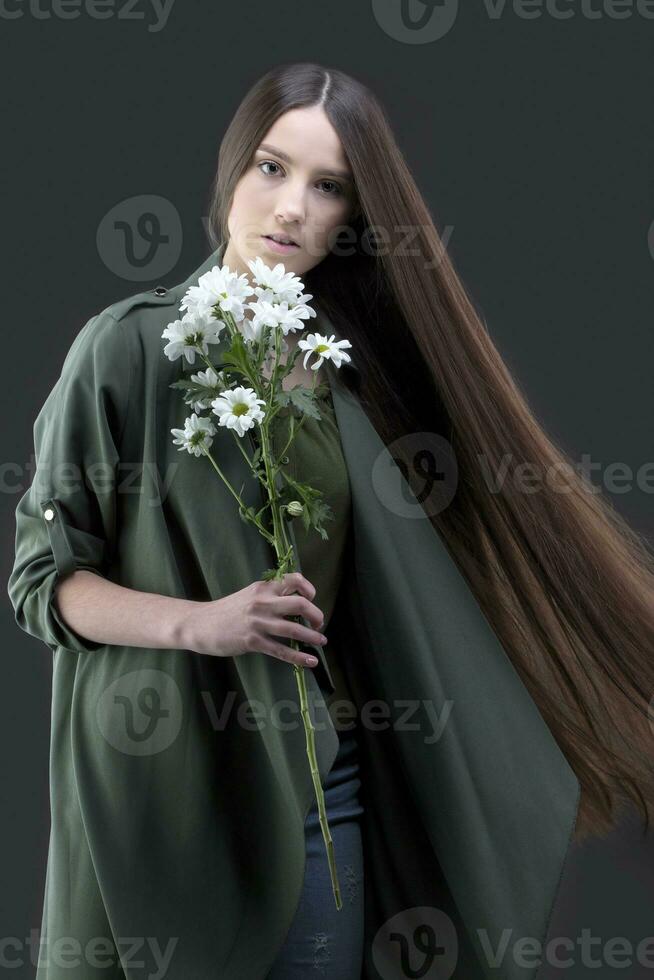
<point x="298" y="185"/>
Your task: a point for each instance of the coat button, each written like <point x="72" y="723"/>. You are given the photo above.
<point x="160" y="291"/>
<point x="49" y="514"/>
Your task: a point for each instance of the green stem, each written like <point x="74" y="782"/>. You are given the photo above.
<point x="282" y="547"/>
<point x="237" y="496"/>
<point x="285" y="561"/>
<point x="315" y="775"/>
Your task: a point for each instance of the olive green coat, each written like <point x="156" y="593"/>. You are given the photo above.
<point x="176" y="816"/>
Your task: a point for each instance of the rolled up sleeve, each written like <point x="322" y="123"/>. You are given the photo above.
<point x="66" y="520"/>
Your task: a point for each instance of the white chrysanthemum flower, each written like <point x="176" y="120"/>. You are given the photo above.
<point x="270" y="296"/>
<point x="324" y="347"/>
<point x="238" y="409"/>
<point x="196" y="434"/>
<point x="275" y="285"/>
<point x="190" y="335"/>
<point x="265" y="315"/>
<point x="279" y="315"/>
<point x="209" y="379"/>
<point x="219" y="287"/>
<point x="291" y="317"/>
<point x="251" y="329"/>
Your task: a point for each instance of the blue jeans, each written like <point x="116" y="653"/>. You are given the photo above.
<point x="323" y="942"/>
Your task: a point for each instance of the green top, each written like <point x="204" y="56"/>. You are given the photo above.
<point x="316" y="457"/>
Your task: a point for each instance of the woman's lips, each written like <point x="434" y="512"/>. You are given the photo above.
<point x="278" y="247"/>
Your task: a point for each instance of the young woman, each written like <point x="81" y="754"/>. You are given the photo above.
<point x="497" y="651"/>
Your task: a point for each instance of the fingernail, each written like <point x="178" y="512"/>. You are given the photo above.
<point x="323" y="638"/>
<point x="311" y="661"/>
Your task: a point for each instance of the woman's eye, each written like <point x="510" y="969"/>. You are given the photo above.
<point x="337" y="187"/>
<point x="270" y="163"/>
<point x="267" y="163"/>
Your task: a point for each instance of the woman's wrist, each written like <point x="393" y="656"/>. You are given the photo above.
<point x="178" y="624"/>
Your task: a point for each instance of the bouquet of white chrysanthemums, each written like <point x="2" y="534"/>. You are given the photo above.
<point x="244" y="400"/>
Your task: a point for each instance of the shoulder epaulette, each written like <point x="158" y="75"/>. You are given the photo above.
<point x="159" y="296"/>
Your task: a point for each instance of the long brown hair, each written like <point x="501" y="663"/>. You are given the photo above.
<point x="565" y="583"/>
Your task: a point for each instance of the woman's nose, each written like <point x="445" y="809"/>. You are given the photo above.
<point x="290" y="206"/>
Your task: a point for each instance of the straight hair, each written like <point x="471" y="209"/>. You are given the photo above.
<point x="564" y="582"/>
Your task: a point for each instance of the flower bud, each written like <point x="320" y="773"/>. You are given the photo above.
<point x="295" y="508"/>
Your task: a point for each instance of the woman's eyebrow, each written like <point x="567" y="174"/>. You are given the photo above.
<point x="343" y="174"/>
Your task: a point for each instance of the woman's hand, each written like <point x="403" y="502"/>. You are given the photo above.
<point x="249" y="620"/>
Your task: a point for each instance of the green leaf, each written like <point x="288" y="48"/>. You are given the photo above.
<point x="300" y="398"/>
<point x="316" y="510"/>
<point x="238" y="356"/>
<point x="194" y="391"/>
<point x="319" y="512"/>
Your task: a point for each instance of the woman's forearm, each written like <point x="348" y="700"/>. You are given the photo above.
<point x="105" y="612"/>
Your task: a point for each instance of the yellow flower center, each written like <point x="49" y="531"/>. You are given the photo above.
<point x="320" y="348"/>
<point x="240" y="408"/>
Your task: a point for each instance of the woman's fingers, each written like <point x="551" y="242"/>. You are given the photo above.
<point x="297" y="631"/>
<point x="274" y="649"/>
<point x="294" y="582"/>
<point x="297" y="605"/>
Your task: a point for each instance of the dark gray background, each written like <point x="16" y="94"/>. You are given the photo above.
<point x="531" y="139"/>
